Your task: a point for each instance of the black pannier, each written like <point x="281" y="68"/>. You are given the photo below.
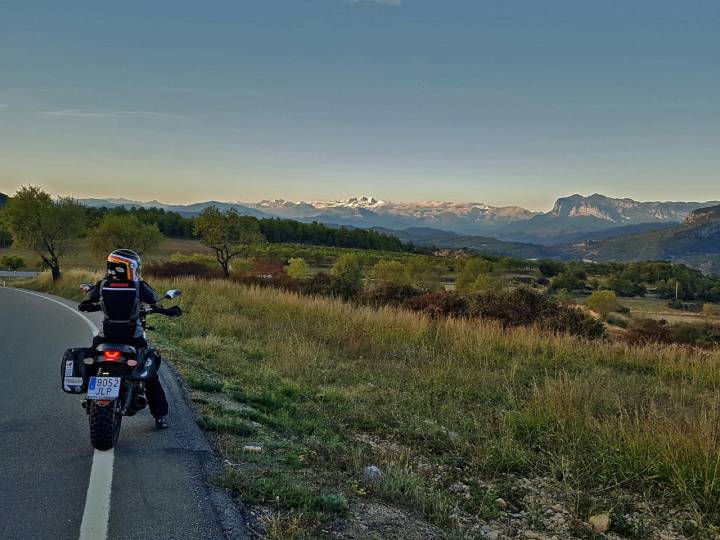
<point x="73" y="378"/>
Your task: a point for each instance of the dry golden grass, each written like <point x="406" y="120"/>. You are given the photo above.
<point x="466" y="398"/>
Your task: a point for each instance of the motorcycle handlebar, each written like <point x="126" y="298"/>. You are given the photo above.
<point x="89" y="308"/>
<point x="174" y="311"/>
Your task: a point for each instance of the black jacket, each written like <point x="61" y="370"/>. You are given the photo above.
<point x="120" y="302"/>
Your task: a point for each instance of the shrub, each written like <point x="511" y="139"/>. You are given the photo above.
<point x="348" y="269"/>
<point x="12" y="262"/>
<point x="423" y="274"/>
<point x="389" y="272"/>
<point x="569" y="281"/>
<point x="323" y="284"/>
<point x="473" y="269"/>
<point x="571" y="321"/>
<point x="172" y="269"/>
<point x="297" y="268"/>
<point x="550" y="268"/>
<point x="513" y="307"/>
<point x="390" y="294"/>
<point x="525" y="306"/>
<point x="440" y="304"/>
<point x="603" y="302"/>
<point x="695" y="334"/>
<point x="642" y="331"/>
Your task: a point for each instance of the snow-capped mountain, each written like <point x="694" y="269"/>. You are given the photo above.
<point x="366" y="211"/>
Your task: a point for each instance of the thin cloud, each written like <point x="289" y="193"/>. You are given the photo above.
<point x="383" y="2"/>
<point x="3" y="105"/>
<point x="91" y="113"/>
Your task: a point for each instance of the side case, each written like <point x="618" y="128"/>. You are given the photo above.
<point x="72" y="371"/>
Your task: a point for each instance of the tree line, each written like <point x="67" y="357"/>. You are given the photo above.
<point x="49" y="226"/>
<point x="275" y="230"/>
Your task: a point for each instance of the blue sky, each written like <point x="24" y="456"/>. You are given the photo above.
<point x="503" y="102"/>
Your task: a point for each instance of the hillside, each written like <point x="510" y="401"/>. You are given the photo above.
<point x="696" y="241"/>
<point x="485" y="245"/>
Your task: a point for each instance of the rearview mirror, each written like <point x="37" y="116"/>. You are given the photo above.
<point x="86" y="287"/>
<point x="173" y="293"/>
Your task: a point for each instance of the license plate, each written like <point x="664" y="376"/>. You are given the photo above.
<point x="104" y="388"/>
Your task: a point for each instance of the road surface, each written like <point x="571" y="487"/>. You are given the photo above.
<point x="53" y="485"/>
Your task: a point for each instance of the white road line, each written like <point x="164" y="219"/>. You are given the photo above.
<point x="96" y="516"/>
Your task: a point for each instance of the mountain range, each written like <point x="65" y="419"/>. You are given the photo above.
<point x="572" y="219"/>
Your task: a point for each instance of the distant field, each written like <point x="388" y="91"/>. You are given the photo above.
<point x="656" y="308"/>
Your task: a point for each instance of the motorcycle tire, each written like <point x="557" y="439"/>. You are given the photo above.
<point x="105" y="422"/>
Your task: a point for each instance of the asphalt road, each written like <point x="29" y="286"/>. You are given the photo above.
<point x="158" y="480"/>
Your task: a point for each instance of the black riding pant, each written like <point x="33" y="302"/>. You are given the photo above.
<point x="154" y="392"/>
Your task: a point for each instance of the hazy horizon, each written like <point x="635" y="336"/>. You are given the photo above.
<point x="502" y="103"/>
<point x="342" y="199"/>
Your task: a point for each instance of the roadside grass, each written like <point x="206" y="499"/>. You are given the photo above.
<point x="327" y="388"/>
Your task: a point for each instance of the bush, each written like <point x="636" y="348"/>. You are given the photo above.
<point x="644" y="331"/>
<point x="390" y="294"/>
<point x="348" y="269"/>
<point x="12" y="262"/>
<point x="572" y="321"/>
<point x="323" y="284"/>
<point x="440" y="304"/>
<point x="390" y="272"/>
<point x="513" y="307"/>
<point x="172" y="269"/>
<point x="473" y="269"/>
<point x="297" y="268"/>
<point x="525" y="306"/>
<point x="603" y="302"/>
<point x="568" y="280"/>
<point x="641" y="331"/>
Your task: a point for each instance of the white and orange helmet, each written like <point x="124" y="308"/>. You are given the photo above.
<point x="123" y="265"/>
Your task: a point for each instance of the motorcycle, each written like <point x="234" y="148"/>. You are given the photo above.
<point x="112" y="376"/>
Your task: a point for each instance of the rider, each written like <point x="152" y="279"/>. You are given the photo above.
<point x="120" y="295"/>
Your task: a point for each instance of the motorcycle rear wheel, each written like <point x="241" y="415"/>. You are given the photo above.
<point x="105" y="422"/>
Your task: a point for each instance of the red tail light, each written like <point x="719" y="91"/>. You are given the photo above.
<point x="112" y="356"/>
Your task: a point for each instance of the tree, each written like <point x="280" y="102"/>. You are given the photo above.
<point x="12" y="263"/>
<point x="423" y="274"/>
<point x="568" y="280"/>
<point x="227" y="233"/>
<point x="485" y="282"/>
<point x="550" y="268"/>
<point x="117" y="231"/>
<point x="48" y="227"/>
<point x="348" y="269"/>
<point x="603" y="302"/>
<point x="389" y="272"/>
<point x="297" y="268"/>
<point x="470" y="273"/>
